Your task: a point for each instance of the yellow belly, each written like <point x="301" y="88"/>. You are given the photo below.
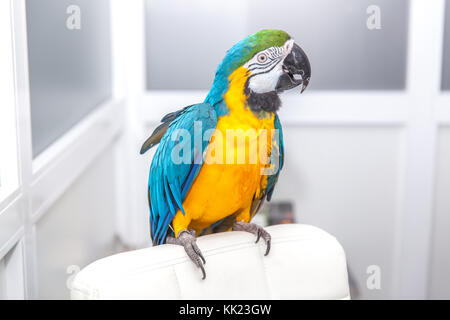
<point x="223" y="189"/>
<point x="225" y="184"/>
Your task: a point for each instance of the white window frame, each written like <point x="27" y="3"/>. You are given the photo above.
<point x="11" y="222"/>
<point x="9" y="175"/>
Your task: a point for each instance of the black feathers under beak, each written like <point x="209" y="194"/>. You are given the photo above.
<point x="296" y="70"/>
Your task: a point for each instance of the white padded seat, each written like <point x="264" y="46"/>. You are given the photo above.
<point x="304" y="262"/>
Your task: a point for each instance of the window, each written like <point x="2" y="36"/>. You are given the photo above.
<point x="179" y="35"/>
<point x="344" y="53"/>
<point x="70" y="68"/>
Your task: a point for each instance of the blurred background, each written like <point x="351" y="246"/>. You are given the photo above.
<point x="84" y="82"/>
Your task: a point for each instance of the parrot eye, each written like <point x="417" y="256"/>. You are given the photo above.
<point x="262" y="57"/>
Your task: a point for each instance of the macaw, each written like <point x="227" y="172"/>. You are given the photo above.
<point x="199" y="195"/>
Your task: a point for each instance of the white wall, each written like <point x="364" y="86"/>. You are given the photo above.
<point x="346" y="180"/>
<point x="440" y="253"/>
<point x="78" y="229"/>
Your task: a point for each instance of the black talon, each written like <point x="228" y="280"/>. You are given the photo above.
<point x="198" y="252"/>
<point x="200" y="265"/>
<point x="268" y="247"/>
<point x="259" y="235"/>
<point x="201" y="257"/>
<point x="203" y="272"/>
<point x="256" y="230"/>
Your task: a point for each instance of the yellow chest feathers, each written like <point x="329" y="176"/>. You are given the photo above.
<point x="241" y="131"/>
<point x="232" y="173"/>
<point x="240" y="114"/>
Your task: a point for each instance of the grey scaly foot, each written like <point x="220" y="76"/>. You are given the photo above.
<point x="187" y="239"/>
<point x="256" y="230"/>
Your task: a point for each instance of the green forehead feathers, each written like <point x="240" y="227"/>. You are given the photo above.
<point x="239" y="54"/>
<point x="264" y="39"/>
<point x="245" y="49"/>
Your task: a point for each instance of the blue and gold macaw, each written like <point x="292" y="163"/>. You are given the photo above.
<point x="202" y="193"/>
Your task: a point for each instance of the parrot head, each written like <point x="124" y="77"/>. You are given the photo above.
<point x="269" y="62"/>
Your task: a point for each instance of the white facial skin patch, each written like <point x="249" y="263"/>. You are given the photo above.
<point x="266" y="67"/>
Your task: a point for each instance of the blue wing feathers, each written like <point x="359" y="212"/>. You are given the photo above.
<point x="272" y="179"/>
<point x="168" y="182"/>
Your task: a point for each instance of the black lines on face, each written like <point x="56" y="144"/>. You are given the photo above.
<point x="273" y="55"/>
<point x="262" y="66"/>
<point x="266" y="71"/>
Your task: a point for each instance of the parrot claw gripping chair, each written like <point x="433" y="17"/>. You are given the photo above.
<point x="304" y="262"/>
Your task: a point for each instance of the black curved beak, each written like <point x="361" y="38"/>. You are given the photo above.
<point x="296" y="70"/>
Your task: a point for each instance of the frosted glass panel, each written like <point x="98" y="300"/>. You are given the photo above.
<point x="69" y="68"/>
<point x="187" y="40"/>
<point x="446" y="57"/>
